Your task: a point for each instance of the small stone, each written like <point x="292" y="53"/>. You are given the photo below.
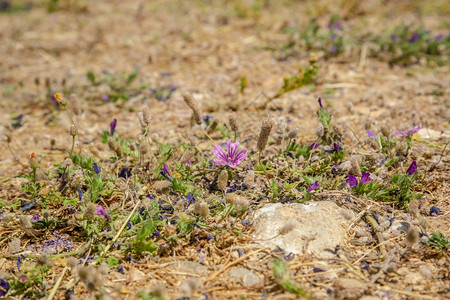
<point x="191" y="267"/>
<point x="246" y="276"/>
<point x="413" y="279"/>
<point x="348" y="288"/>
<point x="426" y="272"/>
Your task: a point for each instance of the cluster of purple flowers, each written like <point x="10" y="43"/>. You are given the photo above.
<point x="353" y="182"/>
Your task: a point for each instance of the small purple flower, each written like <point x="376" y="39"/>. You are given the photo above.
<point x="102" y="212"/>
<point x="409" y="132"/>
<point x="35" y="218"/>
<point x="96" y="169"/>
<point x="80" y="193"/>
<point x="412" y="168"/>
<point x="313" y="146"/>
<point x="232" y="158"/>
<point x="112" y="126"/>
<point x="351" y="181"/>
<point x="336" y="147"/>
<point x="320" y="102"/>
<point x="313" y="186"/>
<point x="333" y="49"/>
<point x="439" y="37"/>
<point x="189" y="163"/>
<point x="19" y="261"/>
<point x="394" y="37"/>
<point x="334" y="37"/>
<point x="371" y="134"/>
<point x="434" y="211"/>
<point x="105" y="97"/>
<point x="415" y="37"/>
<point x="365" y="178"/>
<point x="4" y="287"/>
<point x="166" y="173"/>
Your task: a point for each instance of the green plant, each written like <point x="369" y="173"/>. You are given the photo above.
<point x="282" y="276"/>
<point x="438" y="241"/>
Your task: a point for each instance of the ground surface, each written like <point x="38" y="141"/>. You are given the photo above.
<point x="210" y="49"/>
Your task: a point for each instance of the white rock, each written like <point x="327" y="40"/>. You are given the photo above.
<point x="321" y="225"/>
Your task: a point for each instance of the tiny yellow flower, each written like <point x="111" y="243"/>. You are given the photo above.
<point x="59" y="98"/>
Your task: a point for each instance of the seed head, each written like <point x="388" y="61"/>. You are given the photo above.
<point x="355" y="169"/>
<point x="368" y="124"/>
<point x="385" y="131"/>
<point x="193" y="105"/>
<point x="143" y="148"/>
<point x="44" y="260"/>
<point x="202" y="209"/>
<point x="236" y="199"/>
<point x="232" y="119"/>
<point x="249" y="179"/>
<point x="73" y="130"/>
<point x="146" y="115"/>
<point x="33" y="161"/>
<point x="320" y="131"/>
<point x="222" y="180"/>
<point x="266" y="127"/>
<point x="282" y="124"/>
<point x="212" y="127"/>
<point x="293" y="133"/>
<point x="71" y="262"/>
<point x="90" y="213"/>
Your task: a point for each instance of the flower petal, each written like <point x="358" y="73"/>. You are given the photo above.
<point x="219" y="162"/>
<point x="220" y="153"/>
<point x="240" y="156"/>
<point x="232" y="148"/>
<point x="351" y="181"/>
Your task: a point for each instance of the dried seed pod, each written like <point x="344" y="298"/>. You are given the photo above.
<point x="73" y="130"/>
<point x="212" y="127"/>
<point x="249" y="179"/>
<point x="143" y="148"/>
<point x="266" y="127"/>
<point x="222" y="180"/>
<point x="201" y="208"/>
<point x="90" y="212"/>
<point x="140" y="116"/>
<point x="146" y="115"/>
<point x="193" y="105"/>
<point x="71" y="262"/>
<point x="187" y="155"/>
<point x="355" y="169"/>
<point x="293" y="133"/>
<point x="232" y="198"/>
<point x="232" y="119"/>
<point x="368" y="124"/>
<point x="44" y="261"/>
<point x="320" y="131"/>
<point x="385" y="131"/>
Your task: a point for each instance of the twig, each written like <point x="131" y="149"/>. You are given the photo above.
<point x="226" y="266"/>
<point x="57" y="284"/>
<point x="378" y="234"/>
<point x="121" y="229"/>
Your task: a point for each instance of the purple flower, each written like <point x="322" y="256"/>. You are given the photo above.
<point x="409" y="132"/>
<point x="96" y="169"/>
<point x="434" y="211"/>
<point x="232" y="158"/>
<point x="102" y="212"/>
<point x="336" y="147"/>
<point x="334" y="49"/>
<point x="394" y="37"/>
<point x="371" y="134"/>
<point x="105" y="97"/>
<point x="4" y="287"/>
<point x="439" y="37"/>
<point x="112" y="126"/>
<point x="19" y="261"/>
<point x="365" y="178"/>
<point x="80" y="193"/>
<point x="334" y="37"/>
<point x="166" y="173"/>
<point x="415" y="37"/>
<point x="412" y="168"/>
<point x="351" y="181"/>
<point x="320" y="102"/>
<point x="313" y="186"/>
<point x="313" y="146"/>
<point x="35" y="218"/>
